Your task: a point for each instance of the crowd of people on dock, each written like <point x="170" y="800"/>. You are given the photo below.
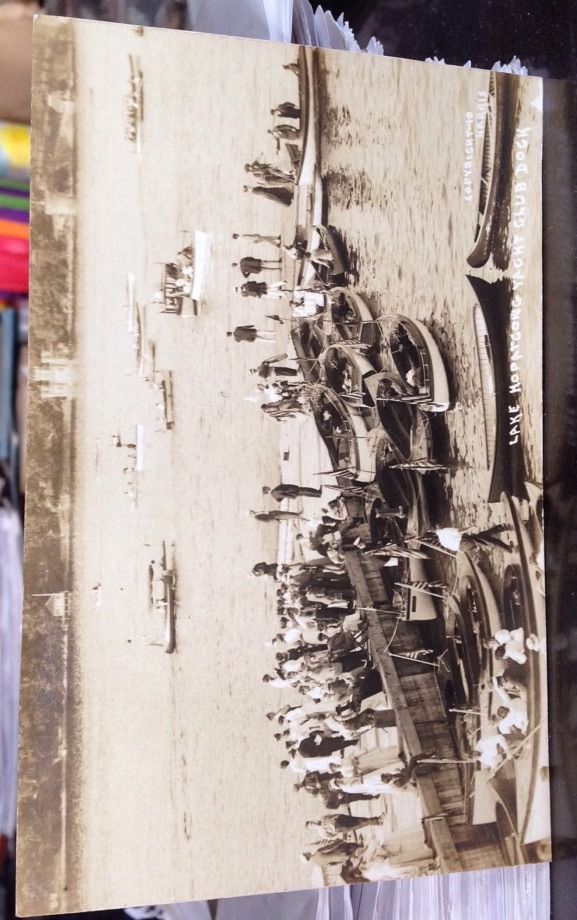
<point x="322" y="657"/>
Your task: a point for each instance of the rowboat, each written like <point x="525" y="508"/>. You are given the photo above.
<point x="305" y="159"/>
<point x="491" y="316"/>
<point x="496" y="169"/>
<point x="310" y="120"/>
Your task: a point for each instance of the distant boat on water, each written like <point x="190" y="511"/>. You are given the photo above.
<point x="139" y="454"/>
<point x="183" y="280"/>
<point x="162" y="595"/>
<point x="164" y="383"/>
<point x="131" y="301"/>
<point x="135" y="102"/>
<point x="135" y="321"/>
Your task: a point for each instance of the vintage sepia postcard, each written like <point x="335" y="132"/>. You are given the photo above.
<point x="285" y="610"/>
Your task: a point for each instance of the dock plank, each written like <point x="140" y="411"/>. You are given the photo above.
<point x="437" y="824"/>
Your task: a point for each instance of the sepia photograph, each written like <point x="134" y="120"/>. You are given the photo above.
<point x="284" y="616"/>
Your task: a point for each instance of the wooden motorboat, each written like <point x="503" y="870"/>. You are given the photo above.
<point x="416" y="357"/>
<point x="352" y="318"/>
<point x="345" y="371"/>
<point x="343" y="428"/>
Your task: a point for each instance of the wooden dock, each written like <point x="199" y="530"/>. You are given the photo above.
<point x="423" y="726"/>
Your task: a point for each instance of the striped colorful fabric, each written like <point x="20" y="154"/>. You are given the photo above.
<point x="13" y="265"/>
<point x="14" y="229"/>
<point x="17" y="185"/>
<point x="16" y="188"/>
<point x="19" y="217"/>
<point x="14" y="202"/>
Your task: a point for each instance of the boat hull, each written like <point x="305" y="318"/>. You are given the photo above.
<point x="506" y="464"/>
<point x="496" y="175"/>
<point x="432" y="393"/>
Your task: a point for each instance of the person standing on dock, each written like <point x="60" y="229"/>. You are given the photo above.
<point x="319" y="745"/>
<point x="334" y="854"/>
<point x="275" y="178"/>
<point x="253" y="289"/>
<point x="293" y="67"/>
<point x="286" y="110"/>
<point x="274" y="291"/>
<point x="285" y="132"/>
<point x="259" y="238"/>
<point x="270" y="367"/>
<point x="281" y="195"/>
<point x="250" y="265"/>
<point x="290" y="490"/>
<point x="276" y="515"/>
<point x="269" y="174"/>
<point x="265" y="568"/>
<point x="413" y="768"/>
<point x="335" y="825"/>
<point x="251" y="334"/>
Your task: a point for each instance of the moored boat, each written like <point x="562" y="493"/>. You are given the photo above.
<point x="401" y="488"/>
<point x="344" y="431"/>
<point x="405" y="423"/>
<point x="352" y="317"/>
<point x="304" y="156"/>
<point x="309" y="139"/>
<point x="416" y="357"/>
<point x="532" y="755"/>
<point x="420" y="599"/>
<point x="491" y="316"/>
<point x="496" y="169"/>
<point x="345" y="371"/>
<point x="310" y="341"/>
